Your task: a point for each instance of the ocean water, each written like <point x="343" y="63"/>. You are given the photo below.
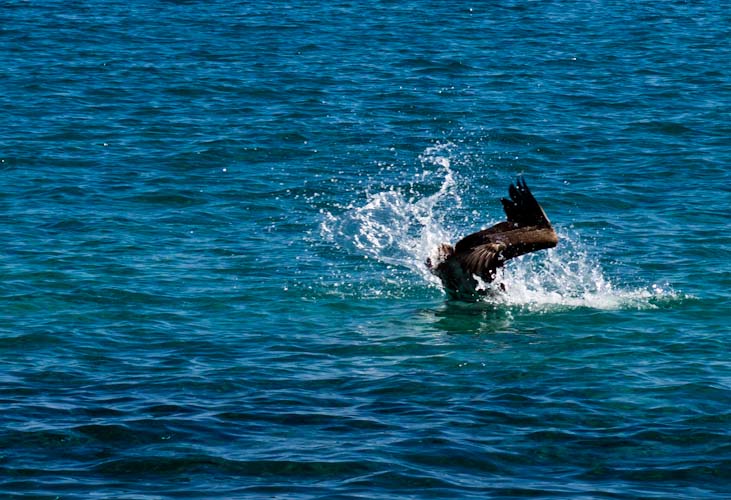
<point x="214" y="221"/>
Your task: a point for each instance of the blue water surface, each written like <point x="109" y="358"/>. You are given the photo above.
<point x="215" y="217"/>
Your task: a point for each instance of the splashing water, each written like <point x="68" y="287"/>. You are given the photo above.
<point x="400" y="226"/>
<point x="569" y="277"/>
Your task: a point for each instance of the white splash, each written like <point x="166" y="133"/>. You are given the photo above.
<point x="570" y="277"/>
<point x="401" y="225"/>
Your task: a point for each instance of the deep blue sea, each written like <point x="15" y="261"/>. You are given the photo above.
<point x="215" y="217"/>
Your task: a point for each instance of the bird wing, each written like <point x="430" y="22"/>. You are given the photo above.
<point x="526" y="230"/>
<point x="483" y="260"/>
<point x="522" y="210"/>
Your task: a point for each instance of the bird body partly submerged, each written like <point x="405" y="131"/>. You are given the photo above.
<point x="473" y="261"/>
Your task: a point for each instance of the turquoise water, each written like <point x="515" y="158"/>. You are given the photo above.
<point x="216" y="215"/>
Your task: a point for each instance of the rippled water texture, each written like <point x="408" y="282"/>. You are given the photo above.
<point x="215" y="217"/>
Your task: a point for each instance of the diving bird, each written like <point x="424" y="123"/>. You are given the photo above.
<point x="478" y="256"/>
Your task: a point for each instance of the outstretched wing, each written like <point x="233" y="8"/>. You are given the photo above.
<point x="526" y="230"/>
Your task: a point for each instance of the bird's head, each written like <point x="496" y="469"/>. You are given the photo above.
<point x="439" y="255"/>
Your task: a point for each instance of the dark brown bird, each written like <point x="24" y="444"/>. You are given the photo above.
<point x="480" y="254"/>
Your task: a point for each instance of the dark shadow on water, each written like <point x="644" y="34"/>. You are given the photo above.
<point x="457" y="317"/>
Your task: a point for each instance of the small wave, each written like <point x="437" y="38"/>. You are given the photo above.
<point x="198" y="463"/>
<point x="400" y="225"/>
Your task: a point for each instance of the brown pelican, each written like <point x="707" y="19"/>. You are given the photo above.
<point x="477" y="257"/>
